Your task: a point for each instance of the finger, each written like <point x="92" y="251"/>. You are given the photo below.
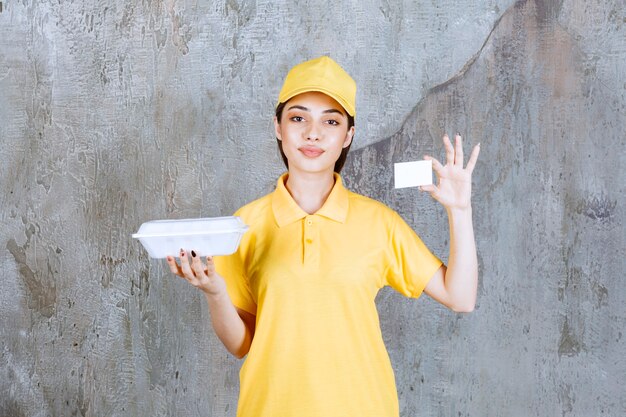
<point x="196" y="265"/>
<point x="210" y="266"/>
<point x="184" y="265"/>
<point x="473" y="158"/>
<point x="437" y="167"/>
<point x="174" y="268"/>
<point x="430" y="188"/>
<point x="449" y="149"/>
<point x="458" y="150"/>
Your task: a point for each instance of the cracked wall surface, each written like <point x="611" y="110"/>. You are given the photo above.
<point x="112" y="114"/>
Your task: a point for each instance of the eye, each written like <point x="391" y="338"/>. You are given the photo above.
<point x="296" y="118"/>
<point x="333" y="122"/>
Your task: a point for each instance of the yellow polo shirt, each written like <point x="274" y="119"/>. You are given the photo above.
<point x="311" y="281"/>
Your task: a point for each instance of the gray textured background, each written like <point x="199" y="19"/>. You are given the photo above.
<point x="115" y="113"/>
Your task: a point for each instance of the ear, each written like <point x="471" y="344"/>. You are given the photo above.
<point x="277" y="129"/>
<point x="349" y="135"/>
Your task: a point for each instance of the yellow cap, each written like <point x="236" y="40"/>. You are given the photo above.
<point x="324" y="75"/>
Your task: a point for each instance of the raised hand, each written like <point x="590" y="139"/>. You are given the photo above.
<point x="197" y="274"/>
<point x="454" y="189"/>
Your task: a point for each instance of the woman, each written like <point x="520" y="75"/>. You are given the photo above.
<point x="298" y="295"/>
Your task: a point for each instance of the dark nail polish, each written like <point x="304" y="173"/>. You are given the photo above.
<point x="193" y="254"/>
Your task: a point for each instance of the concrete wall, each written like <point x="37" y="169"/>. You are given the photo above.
<point x="115" y="113"/>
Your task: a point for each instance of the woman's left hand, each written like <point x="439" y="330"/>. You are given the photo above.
<point x="454" y="190"/>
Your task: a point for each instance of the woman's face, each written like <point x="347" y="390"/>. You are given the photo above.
<point x="313" y="131"/>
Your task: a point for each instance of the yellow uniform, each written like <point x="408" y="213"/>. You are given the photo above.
<point x="311" y="281"/>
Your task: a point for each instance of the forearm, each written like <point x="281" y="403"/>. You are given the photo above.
<point x="228" y="325"/>
<point x="461" y="278"/>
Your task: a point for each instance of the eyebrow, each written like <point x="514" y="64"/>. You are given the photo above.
<point x="296" y="106"/>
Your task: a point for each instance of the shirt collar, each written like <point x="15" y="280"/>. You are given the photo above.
<point x="287" y="211"/>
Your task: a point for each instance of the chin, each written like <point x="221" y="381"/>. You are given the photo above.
<point x="313" y="168"/>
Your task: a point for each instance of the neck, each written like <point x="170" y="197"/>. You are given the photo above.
<point x="310" y="191"/>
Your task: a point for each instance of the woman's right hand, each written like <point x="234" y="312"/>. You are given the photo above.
<point x="197" y="273"/>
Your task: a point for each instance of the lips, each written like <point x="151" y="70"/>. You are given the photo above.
<point x="311" y="151"/>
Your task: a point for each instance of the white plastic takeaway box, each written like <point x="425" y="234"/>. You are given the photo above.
<point x="206" y="236"/>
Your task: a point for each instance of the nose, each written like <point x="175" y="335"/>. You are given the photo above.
<point x="313" y="133"/>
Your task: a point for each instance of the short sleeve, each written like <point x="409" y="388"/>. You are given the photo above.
<point x="232" y="269"/>
<point x="410" y="263"/>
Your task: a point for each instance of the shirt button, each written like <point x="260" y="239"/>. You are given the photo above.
<point x="309" y="222"/>
<point x="309" y="241"/>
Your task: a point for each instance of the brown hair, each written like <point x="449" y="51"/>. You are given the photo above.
<point x="344" y="152"/>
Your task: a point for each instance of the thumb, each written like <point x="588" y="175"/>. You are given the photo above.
<point x="430" y="188"/>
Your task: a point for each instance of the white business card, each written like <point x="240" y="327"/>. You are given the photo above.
<point x="413" y="174"/>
